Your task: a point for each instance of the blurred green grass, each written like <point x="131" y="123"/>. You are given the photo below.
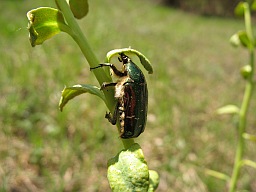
<point x="195" y="72"/>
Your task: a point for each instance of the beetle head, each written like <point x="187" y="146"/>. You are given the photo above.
<point x="123" y="58"/>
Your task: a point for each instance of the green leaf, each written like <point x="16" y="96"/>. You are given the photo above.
<point x="239" y="9"/>
<point x="79" y="8"/>
<point x="240" y="38"/>
<point x="153" y="180"/>
<point x="248" y="163"/>
<point x="70" y="92"/>
<point x="144" y="61"/>
<point x="249" y="137"/>
<point x="228" y="109"/>
<point x="44" y="23"/>
<point x="217" y="174"/>
<point x="253" y="6"/>
<point x="128" y="171"/>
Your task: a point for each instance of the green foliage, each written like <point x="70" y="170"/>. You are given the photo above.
<point x="228" y="109"/>
<point x="79" y="8"/>
<point x="144" y="61"/>
<point x="247" y="40"/>
<point x="128" y="170"/>
<point x="44" y="23"/>
<point x="249" y="137"/>
<point x="153" y="180"/>
<point x="47" y="22"/>
<point x="70" y="92"/>
<point x="239" y="9"/>
<point x="240" y="39"/>
<point x="246" y="71"/>
<point x="183" y="134"/>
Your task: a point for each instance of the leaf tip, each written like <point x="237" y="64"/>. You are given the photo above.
<point x="228" y="109"/>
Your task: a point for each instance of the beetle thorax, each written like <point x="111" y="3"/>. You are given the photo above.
<point x="119" y="88"/>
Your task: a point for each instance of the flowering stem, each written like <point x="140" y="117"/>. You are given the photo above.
<point x="245" y="103"/>
<point x="82" y="42"/>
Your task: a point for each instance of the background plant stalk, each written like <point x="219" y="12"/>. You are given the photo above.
<point x="245" y="103"/>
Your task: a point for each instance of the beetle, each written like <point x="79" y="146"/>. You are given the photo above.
<point x="131" y="94"/>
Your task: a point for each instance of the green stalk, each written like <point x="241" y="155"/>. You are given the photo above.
<point x="81" y="40"/>
<point x="245" y="103"/>
<point x="99" y="73"/>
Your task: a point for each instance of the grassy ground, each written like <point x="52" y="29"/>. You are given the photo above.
<point x="195" y="72"/>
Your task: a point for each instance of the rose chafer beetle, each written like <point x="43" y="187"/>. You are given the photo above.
<point x="131" y="94"/>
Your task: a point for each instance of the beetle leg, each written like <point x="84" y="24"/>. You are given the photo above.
<point x="112" y="118"/>
<point x="100" y="65"/>
<point x="113" y="67"/>
<point x="104" y="85"/>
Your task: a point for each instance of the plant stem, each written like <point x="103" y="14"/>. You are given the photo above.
<point x="99" y="73"/>
<point x="81" y="40"/>
<point x="241" y="130"/>
<point x="245" y="103"/>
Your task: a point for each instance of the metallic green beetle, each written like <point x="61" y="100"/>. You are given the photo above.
<point x="131" y="94"/>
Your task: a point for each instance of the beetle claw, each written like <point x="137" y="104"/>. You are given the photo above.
<point x="108" y="115"/>
<point x="103" y="86"/>
<point x="110" y="118"/>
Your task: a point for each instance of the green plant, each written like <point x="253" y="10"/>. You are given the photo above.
<point x="127" y="171"/>
<point x="246" y="39"/>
